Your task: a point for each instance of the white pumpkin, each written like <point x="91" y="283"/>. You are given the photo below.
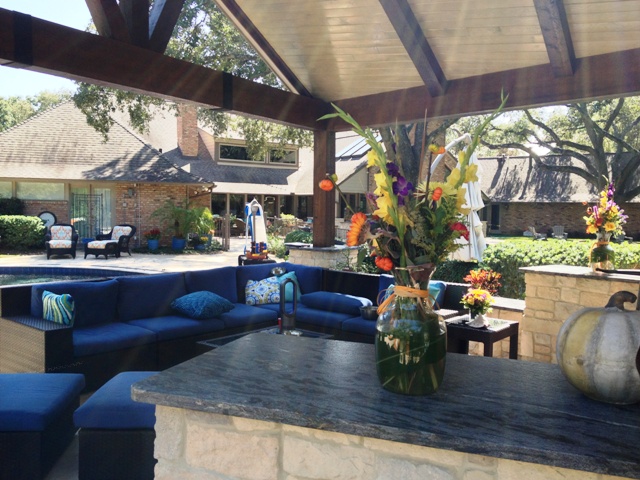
<point x="598" y="350"/>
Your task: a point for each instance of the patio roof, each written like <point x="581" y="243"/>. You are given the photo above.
<point x="381" y="60"/>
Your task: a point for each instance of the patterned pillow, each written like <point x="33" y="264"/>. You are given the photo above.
<point x="263" y="291"/>
<point x="201" y="305"/>
<point x="58" y="308"/>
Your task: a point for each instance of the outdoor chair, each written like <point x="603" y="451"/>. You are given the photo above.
<point x="536" y="235"/>
<point x="62" y="239"/>
<point x="559" y="233"/>
<point x="112" y="243"/>
<point x="239" y="228"/>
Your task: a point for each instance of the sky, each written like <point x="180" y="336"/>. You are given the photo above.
<point x="72" y="13"/>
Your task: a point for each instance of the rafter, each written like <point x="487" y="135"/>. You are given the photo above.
<point x="557" y="37"/>
<point x="162" y="20"/>
<point x="264" y="48"/>
<point x="415" y="43"/>
<point x="136" y="16"/>
<point x="108" y="19"/>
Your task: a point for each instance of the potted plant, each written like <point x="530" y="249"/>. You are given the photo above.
<point x="153" y="238"/>
<point x="478" y="302"/>
<point x="183" y="220"/>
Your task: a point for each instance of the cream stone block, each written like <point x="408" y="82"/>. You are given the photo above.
<point x="512" y="470"/>
<point x="526" y="344"/>
<point x="170" y="433"/>
<point x="539" y="357"/>
<point x="249" y="425"/>
<point x="482" y="460"/>
<point x="592" y="285"/>
<point x="339" y="438"/>
<point x="542" y="339"/>
<point x="549" y="293"/>
<point x="539" y="279"/>
<point x="542" y="350"/>
<point x="541" y="326"/>
<point x="593" y="300"/>
<point x="478" y="475"/>
<point x="173" y="472"/>
<point x="570" y="295"/>
<point x="388" y="468"/>
<point x="540" y="304"/>
<point x="565" y="282"/>
<point x="530" y="290"/>
<point x="322" y="460"/>
<point x="426" y="454"/>
<point x="237" y="455"/>
<point x="564" y="310"/>
<point x="544" y="315"/>
<point x="206" y="417"/>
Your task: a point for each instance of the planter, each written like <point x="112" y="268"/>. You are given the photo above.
<point x="178" y="244"/>
<point x="153" y="244"/>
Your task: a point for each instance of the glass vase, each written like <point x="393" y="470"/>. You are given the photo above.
<point x="602" y="254"/>
<point x="411" y="343"/>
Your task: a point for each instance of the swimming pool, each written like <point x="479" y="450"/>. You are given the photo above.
<point x="29" y="275"/>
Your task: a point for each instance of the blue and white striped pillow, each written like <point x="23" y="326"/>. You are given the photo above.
<point x="58" y="308"/>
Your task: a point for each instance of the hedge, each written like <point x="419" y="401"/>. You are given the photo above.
<point x="21" y="233"/>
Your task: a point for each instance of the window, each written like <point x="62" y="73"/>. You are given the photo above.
<point x="5" y="189"/>
<point x="235" y="152"/>
<point x="238" y="153"/>
<point x="40" y="191"/>
<point x="287" y="157"/>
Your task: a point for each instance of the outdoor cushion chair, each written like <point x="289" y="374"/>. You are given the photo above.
<point x="112" y="243"/>
<point x="238" y="228"/>
<point x="61" y="239"/>
<point x="559" y="233"/>
<point x="536" y="235"/>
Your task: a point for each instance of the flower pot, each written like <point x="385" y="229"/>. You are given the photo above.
<point x="411" y="342"/>
<point x="153" y="244"/>
<point x="602" y="254"/>
<point x="178" y="244"/>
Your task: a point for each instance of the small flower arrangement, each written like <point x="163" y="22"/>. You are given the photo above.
<point x="485" y="280"/>
<point x="606" y="216"/>
<point x="477" y="301"/>
<point x="153" y="234"/>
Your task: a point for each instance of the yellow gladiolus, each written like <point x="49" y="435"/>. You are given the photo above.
<point x="471" y="174"/>
<point x="384" y="204"/>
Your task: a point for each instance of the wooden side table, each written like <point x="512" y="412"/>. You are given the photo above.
<point x="459" y="335"/>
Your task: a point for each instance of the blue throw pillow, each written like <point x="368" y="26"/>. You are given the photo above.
<point x="201" y="305"/>
<point x="436" y="292"/>
<point x="263" y="291"/>
<point x="58" y="308"/>
<point x="288" y="289"/>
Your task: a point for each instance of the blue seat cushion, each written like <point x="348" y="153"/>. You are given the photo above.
<point x="201" y="305"/>
<point x="360" y="325"/>
<point x="221" y="281"/>
<point x="321" y="318"/>
<point x="174" y="326"/>
<point x="245" y="315"/>
<point x="95" y="302"/>
<point x="136" y="297"/>
<point x="112" y="408"/>
<point x="335" y="302"/>
<point x="109" y="337"/>
<point x="29" y="402"/>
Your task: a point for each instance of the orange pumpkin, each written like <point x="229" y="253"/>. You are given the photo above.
<point x="326" y="185"/>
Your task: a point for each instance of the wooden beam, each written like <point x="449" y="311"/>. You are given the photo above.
<point x="527" y="87"/>
<point x="415" y="43"/>
<point x="162" y="20"/>
<point x="108" y="19"/>
<point x="557" y="37"/>
<point x="136" y="16"/>
<point x="264" y="48"/>
<point x="82" y="56"/>
<point x="324" y="203"/>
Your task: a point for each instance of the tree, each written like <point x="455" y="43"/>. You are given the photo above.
<point x="601" y="137"/>
<point x="204" y="36"/>
<point x="15" y="110"/>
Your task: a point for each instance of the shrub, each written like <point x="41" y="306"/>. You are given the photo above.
<point x="276" y="246"/>
<point x="299" y="236"/>
<point x="11" y="206"/>
<point x="21" y="232"/>
<point x="454" y="271"/>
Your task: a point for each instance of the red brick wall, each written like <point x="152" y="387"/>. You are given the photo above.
<point x="60" y="208"/>
<point x="188" y="130"/>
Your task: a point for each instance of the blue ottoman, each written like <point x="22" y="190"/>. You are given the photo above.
<point x="116" y="433"/>
<point x="36" y="421"/>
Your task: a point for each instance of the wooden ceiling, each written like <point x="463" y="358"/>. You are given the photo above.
<point x="381" y="60"/>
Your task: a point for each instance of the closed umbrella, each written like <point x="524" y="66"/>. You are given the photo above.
<point x="255" y="228"/>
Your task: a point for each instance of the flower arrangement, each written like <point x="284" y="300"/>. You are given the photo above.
<point x="153" y="234"/>
<point x="606" y="216"/>
<point x="478" y="301"/>
<point x="485" y="280"/>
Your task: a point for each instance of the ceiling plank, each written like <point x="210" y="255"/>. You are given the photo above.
<point x="162" y="20"/>
<point x="108" y="19"/>
<point x="557" y="37"/>
<point x="136" y="16"/>
<point x="412" y="37"/>
<point x="80" y="56"/>
<point x="275" y="62"/>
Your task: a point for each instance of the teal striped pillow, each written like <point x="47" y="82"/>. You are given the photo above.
<point x="58" y="308"/>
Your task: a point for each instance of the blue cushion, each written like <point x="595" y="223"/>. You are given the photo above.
<point x="29" y="402"/>
<point x="58" y="308"/>
<point x="146" y="296"/>
<point x="200" y="305"/>
<point x="111" y="407"/>
<point x="309" y="278"/>
<point x="288" y="289"/>
<point x="221" y="281"/>
<point x="95" y="302"/>
<point x="360" y="325"/>
<point x="321" y="318"/>
<point x="168" y="328"/>
<point x="335" y="302"/>
<point x="109" y="337"/>
<point x="245" y="315"/>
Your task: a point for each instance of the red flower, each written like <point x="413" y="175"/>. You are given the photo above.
<point x="384" y="263"/>
<point x="460" y="227"/>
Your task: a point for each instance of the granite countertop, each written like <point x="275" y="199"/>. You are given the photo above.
<point x="523" y="411"/>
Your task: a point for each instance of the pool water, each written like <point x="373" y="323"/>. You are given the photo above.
<point x="30" y="275"/>
<point x="36" y="278"/>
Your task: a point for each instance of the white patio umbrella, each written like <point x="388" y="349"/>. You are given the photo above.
<point x="255" y="228"/>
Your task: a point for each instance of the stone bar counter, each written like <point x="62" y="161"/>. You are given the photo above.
<point x="272" y="407"/>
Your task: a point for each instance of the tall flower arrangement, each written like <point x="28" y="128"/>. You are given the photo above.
<point x="606" y="216"/>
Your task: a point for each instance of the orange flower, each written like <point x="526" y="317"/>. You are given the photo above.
<point x="437" y="193"/>
<point x="356" y="233"/>
<point x="384" y="263"/>
<point x="326" y="185"/>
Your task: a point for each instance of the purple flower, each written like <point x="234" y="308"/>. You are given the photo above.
<point x="393" y="169"/>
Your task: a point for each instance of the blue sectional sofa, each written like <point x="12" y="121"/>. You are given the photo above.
<point x="131" y="322"/>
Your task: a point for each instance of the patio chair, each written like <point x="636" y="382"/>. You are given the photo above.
<point x="559" y="233"/>
<point x="61" y="239"/>
<point x="112" y="243"/>
<point x="536" y="235"/>
<point x="238" y="228"/>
